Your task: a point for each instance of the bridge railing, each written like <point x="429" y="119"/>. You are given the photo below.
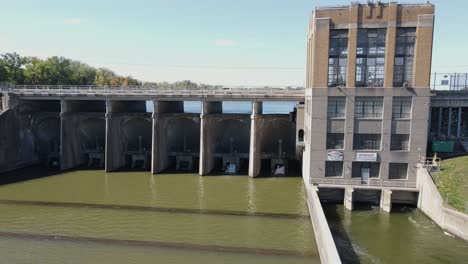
<point x="449" y="81"/>
<point x="286" y="91"/>
<point x="370" y="183"/>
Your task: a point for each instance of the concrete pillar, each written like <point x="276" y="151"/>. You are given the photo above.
<point x="255" y="140"/>
<point x="206" y="144"/>
<point x="319" y="75"/>
<point x="459" y="123"/>
<point x="390" y="44"/>
<point x="63" y="110"/>
<point x="386" y="200"/>
<point x="439" y="122"/>
<point x="159" y="158"/>
<point x="352" y="45"/>
<point x="387" y="123"/>
<point x="348" y="198"/>
<point x="423" y="51"/>
<point x="449" y="128"/>
<point x="108" y="164"/>
<point x="69" y="142"/>
<point x="159" y="155"/>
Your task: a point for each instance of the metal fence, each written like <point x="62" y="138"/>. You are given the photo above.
<point x="370" y="183"/>
<point x="153" y="90"/>
<point x="449" y="81"/>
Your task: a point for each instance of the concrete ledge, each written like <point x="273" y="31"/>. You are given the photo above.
<point x="325" y="244"/>
<point x="431" y="203"/>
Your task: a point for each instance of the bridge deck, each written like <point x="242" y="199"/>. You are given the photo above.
<point x="142" y="93"/>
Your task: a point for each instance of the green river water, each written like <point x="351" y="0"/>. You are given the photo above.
<point x="91" y="216"/>
<point x="135" y="217"/>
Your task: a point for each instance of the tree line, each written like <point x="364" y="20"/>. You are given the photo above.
<point x="16" y="69"/>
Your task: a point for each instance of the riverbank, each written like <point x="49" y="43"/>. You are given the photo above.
<point x="452" y="182"/>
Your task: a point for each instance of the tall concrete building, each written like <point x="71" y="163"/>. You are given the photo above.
<point x="367" y="94"/>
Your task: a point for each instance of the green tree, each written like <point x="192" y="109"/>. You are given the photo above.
<point x="81" y="74"/>
<point x="104" y="77"/>
<point x="12" y="68"/>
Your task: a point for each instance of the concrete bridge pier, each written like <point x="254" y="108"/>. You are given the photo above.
<point x="128" y="135"/>
<point x="348" y="198"/>
<point x="255" y="139"/>
<point x="69" y="138"/>
<point x="207" y="146"/>
<point x="386" y="200"/>
<point x="159" y="157"/>
<point x="82" y="133"/>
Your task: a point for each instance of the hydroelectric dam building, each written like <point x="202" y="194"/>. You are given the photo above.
<point x="358" y="132"/>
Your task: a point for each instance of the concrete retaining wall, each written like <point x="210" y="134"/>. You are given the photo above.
<point x="323" y="237"/>
<point x="431" y="203"/>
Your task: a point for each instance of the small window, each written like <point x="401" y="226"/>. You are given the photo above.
<point x="368" y="107"/>
<point x="444" y="82"/>
<point x="367" y="141"/>
<point x="336" y="107"/>
<point x="401" y="107"/>
<point x="335" y="141"/>
<point x="398" y="171"/>
<point x="399" y="142"/>
<point x="374" y="169"/>
<point x="333" y="169"/>
<point x="300" y="135"/>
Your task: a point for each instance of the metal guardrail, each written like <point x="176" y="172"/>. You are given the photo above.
<point x="141" y="90"/>
<point x="449" y="81"/>
<point x="372" y="183"/>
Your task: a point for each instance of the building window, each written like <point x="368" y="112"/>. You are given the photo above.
<point x="336" y="107"/>
<point x="373" y="167"/>
<point x="398" y="171"/>
<point x="370" y="60"/>
<point x="366" y="141"/>
<point x="399" y="142"/>
<point x="300" y="135"/>
<point x="401" y="107"/>
<point x="333" y="169"/>
<point x="335" y="141"/>
<point x="337" y="58"/>
<point x="404" y="56"/>
<point x="368" y="107"/>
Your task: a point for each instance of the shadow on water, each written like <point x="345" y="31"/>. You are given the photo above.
<point x="341" y="238"/>
<point x="26" y="174"/>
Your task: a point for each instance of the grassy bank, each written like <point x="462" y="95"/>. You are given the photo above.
<point x="452" y="182"/>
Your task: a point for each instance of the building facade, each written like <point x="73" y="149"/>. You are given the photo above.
<point x="367" y="94"/>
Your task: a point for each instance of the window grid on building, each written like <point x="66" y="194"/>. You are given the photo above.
<point x="398" y="171"/>
<point x="333" y="169"/>
<point x="367" y="141"/>
<point x="370" y="61"/>
<point x="374" y="169"/>
<point x="335" y="141"/>
<point x="368" y="107"/>
<point x="336" y="107"/>
<point x="404" y="56"/>
<point x="401" y="107"/>
<point x="399" y="142"/>
<point x="337" y="58"/>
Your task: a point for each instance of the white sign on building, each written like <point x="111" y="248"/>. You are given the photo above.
<point x="366" y="157"/>
<point x="334" y="155"/>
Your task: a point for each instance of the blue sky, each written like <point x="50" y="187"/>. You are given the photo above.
<point x="242" y="42"/>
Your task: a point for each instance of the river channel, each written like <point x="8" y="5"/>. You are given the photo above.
<point x="91" y="216"/>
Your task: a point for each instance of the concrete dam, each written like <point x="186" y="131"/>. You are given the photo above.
<point x="112" y="129"/>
